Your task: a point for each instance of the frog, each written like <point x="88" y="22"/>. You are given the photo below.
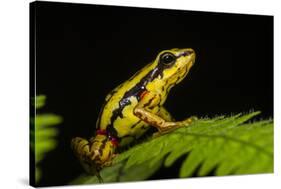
<point x="133" y="107"/>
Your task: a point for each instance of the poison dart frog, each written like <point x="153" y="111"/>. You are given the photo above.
<point x="134" y="106"/>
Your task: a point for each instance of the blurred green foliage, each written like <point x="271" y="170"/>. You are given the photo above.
<point x="43" y="136"/>
<point x="229" y="145"/>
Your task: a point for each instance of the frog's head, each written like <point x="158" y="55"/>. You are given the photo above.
<point x="175" y="64"/>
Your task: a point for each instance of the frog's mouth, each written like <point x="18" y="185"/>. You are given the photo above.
<point x="179" y="75"/>
<point x="190" y="59"/>
<point x="184" y="70"/>
<point x="183" y="73"/>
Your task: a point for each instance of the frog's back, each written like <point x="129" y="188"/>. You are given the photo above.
<point x="117" y="115"/>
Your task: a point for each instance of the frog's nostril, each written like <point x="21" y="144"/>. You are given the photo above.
<point x="188" y="52"/>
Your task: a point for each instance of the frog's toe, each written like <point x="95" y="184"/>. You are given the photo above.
<point x="190" y="120"/>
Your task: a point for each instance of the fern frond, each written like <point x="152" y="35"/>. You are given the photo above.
<point x="116" y="173"/>
<point x="227" y="145"/>
<point x="44" y="134"/>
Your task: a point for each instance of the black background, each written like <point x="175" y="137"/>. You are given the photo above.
<point x="84" y="51"/>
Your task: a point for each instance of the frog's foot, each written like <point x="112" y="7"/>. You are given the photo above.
<point x="188" y="121"/>
<point x="171" y="126"/>
<point x="91" y="158"/>
<point x="109" y="161"/>
<point x="81" y="149"/>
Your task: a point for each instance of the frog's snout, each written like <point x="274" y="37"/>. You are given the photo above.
<point x="188" y="52"/>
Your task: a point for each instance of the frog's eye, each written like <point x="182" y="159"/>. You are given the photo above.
<point x="167" y="58"/>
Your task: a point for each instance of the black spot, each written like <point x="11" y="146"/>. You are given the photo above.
<point x="112" y="131"/>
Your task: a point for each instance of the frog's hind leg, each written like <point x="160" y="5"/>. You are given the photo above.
<point x="80" y="146"/>
<point x="82" y="150"/>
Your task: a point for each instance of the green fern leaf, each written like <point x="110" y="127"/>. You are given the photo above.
<point x="227" y="145"/>
<point x="43" y="134"/>
<point x="117" y="173"/>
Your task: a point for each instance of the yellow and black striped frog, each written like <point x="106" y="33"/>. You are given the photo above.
<point x="134" y="106"/>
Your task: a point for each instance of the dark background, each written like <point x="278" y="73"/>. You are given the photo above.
<point x="84" y="51"/>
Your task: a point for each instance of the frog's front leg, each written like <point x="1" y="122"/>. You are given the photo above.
<point x="163" y="125"/>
